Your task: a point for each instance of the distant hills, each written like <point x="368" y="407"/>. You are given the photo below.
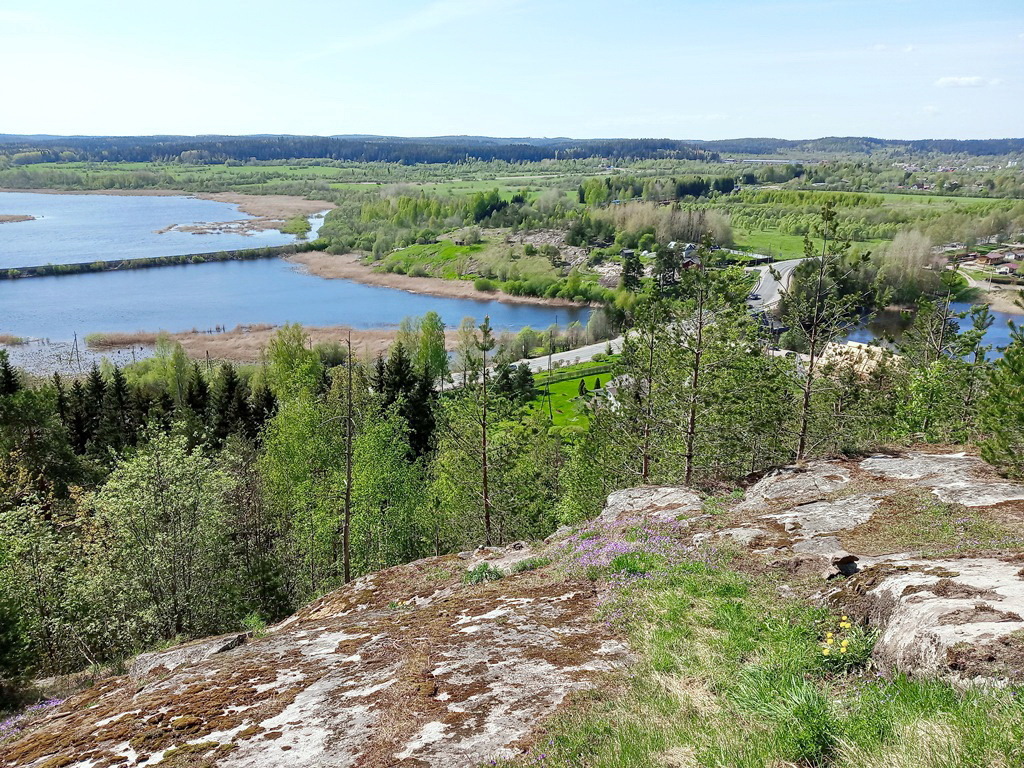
<point x="29" y="149"/>
<point x="864" y="145"/>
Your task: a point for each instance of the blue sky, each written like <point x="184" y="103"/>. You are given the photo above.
<point x="682" y="69"/>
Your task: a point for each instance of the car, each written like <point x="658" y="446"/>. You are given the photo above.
<point x="754" y="297"/>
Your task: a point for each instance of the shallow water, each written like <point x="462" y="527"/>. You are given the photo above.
<point x="81" y="228"/>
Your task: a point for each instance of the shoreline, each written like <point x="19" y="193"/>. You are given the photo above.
<point x="263" y="207"/>
<point x="1002" y="299"/>
<point x="350" y="267"/>
<point x="242" y="344"/>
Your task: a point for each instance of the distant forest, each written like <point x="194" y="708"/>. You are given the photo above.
<point x="27" y="150"/>
<point x="866" y="145"/>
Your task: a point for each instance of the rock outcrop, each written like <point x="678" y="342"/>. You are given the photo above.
<point x="956" y="614"/>
<point x="409" y="666"/>
<point x="413" y="666"/>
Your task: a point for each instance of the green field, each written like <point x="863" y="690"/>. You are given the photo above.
<point x="566" y="407"/>
<point x="780" y="245"/>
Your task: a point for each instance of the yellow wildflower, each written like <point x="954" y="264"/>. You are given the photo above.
<point x="825" y="651"/>
<point x="830" y="641"/>
<point x="842" y="650"/>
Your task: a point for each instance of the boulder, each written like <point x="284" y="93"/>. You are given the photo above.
<point x="957" y="619"/>
<point x="656" y="503"/>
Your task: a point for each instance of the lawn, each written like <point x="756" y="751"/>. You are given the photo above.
<point x="566" y="406"/>
<point x="781" y="246"/>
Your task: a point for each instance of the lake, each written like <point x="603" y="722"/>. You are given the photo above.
<point x="232" y="293"/>
<point x="81" y="228"/>
<point x="890" y="324"/>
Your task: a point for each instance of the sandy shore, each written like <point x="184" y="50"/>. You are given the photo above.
<point x="1003" y="299"/>
<point x="350" y="267"/>
<point x="11" y="218"/>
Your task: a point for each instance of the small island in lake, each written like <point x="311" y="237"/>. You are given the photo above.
<point x="10" y="218"/>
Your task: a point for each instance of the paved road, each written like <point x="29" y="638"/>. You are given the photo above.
<point x="580" y="355"/>
<point x="768" y="288"/>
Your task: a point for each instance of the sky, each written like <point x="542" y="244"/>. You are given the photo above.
<point x="682" y="69"/>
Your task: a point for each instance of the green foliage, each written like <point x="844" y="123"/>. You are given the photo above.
<point x="1002" y="418"/>
<point x="481" y="574"/>
<point x="531" y="564"/>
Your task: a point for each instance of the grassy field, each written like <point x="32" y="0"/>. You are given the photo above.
<point x="780" y="245"/>
<point x="566" y="406"/>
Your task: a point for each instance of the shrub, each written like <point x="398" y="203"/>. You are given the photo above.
<point x="485" y="284"/>
<point x="255" y="624"/>
<point x="531" y="564"/>
<point x="482" y="573"/>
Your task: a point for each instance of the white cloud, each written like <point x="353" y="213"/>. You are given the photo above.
<point x="972" y="81"/>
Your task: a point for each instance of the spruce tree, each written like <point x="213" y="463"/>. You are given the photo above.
<point x="1002" y="417"/>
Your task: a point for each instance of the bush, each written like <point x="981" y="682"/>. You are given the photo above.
<point x="485" y="284"/>
<point x="482" y="573"/>
<point x="531" y="564"/>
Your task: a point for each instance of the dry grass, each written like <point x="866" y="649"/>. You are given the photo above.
<point x="8" y="340"/>
<point x="246" y="343"/>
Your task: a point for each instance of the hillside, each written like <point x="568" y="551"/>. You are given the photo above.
<point x="665" y="632"/>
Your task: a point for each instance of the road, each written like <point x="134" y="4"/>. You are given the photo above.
<point x="768" y="288"/>
<point x="580" y="355"/>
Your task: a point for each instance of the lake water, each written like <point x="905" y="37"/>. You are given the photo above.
<point x="889" y="323"/>
<point x="232" y="293"/>
<point x="79" y="228"/>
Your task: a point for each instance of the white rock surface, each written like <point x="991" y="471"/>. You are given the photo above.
<point x="658" y="503"/>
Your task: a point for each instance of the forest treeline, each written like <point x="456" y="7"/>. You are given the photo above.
<point x="170" y="500"/>
<point x="218" y="149"/>
<point x="868" y="145"/>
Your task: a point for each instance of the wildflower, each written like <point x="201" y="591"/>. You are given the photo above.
<point x="843" y="649"/>
<point x="828" y="634"/>
<point x="825" y="651"/>
<point x="845" y="643"/>
<point x="830" y="641"/>
<point x="844" y="624"/>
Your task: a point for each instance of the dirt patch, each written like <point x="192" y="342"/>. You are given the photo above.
<point x="978" y="613"/>
<point x="1003" y="658"/>
<point x="951" y="589"/>
<point x="351" y="267"/>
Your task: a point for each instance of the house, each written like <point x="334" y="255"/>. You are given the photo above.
<point x="990" y="259"/>
<point x="1004" y="270"/>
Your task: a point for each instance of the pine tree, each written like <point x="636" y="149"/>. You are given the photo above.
<point x="9" y="380"/>
<point x="1002" y="417"/>
<point x="115" y="429"/>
